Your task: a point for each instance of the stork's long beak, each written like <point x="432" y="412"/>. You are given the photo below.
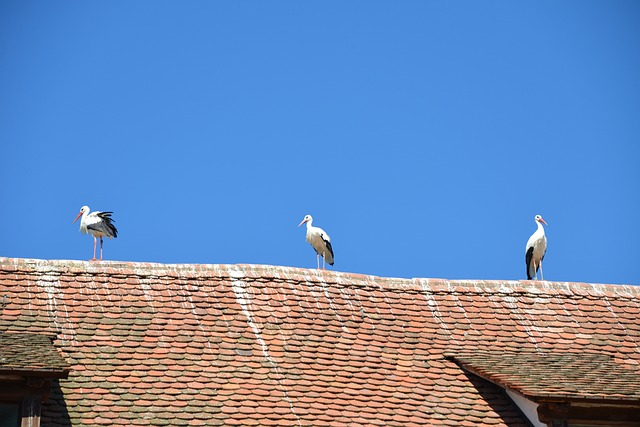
<point x="543" y="221"/>
<point x="303" y="221"/>
<point x="79" y="215"/>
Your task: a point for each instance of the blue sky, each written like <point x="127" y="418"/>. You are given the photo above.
<point x="423" y="136"/>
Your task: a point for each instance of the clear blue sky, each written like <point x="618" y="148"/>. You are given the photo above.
<point x="423" y="136"/>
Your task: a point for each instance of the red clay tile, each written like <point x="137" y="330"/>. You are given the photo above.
<point x="263" y="345"/>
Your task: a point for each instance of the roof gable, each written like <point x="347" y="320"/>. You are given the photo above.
<point x="576" y="376"/>
<point x="31" y="354"/>
<point x="204" y="344"/>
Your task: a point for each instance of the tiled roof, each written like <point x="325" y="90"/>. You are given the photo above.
<point x="584" y="376"/>
<point x="31" y="354"/>
<point x="153" y="344"/>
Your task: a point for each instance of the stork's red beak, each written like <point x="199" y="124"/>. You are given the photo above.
<point x="543" y="221"/>
<point x="79" y="215"/>
<point x="303" y="221"/>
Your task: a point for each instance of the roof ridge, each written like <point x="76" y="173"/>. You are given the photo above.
<point x="284" y="273"/>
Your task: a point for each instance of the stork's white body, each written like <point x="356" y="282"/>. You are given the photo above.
<point x="98" y="224"/>
<point x="536" y="249"/>
<point x="319" y="240"/>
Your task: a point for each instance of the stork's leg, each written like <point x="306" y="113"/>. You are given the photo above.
<point x="95" y="241"/>
<point x="541" y="276"/>
<point x="100" y="248"/>
<point x="318" y="259"/>
<point x="323" y="264"/>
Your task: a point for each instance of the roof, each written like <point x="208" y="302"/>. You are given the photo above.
<point x="153" y="344"/>
<point x="32" y="355"/>
<point x="575" y="376"/>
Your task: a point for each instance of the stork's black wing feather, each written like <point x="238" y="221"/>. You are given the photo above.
<point x="328" y="243"/>
<point x="527" y="259"/>
<point x="108" y="224"/>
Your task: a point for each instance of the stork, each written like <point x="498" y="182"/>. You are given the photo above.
<point x="98" y="224"/>
<point x="535" y="250"/>
<point x="319" y="240"/>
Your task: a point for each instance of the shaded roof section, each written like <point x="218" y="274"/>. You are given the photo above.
<point x="154" y="344"/>
<point x="31" y="354"/>
<point x="574" y="376"/>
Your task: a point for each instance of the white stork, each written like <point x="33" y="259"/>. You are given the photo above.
<point x="98" y="224"/>
<point x="319" y="240"/>
<point x="536" y="248"/>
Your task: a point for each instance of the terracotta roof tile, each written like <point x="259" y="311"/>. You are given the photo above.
<point x="154" y="344"/>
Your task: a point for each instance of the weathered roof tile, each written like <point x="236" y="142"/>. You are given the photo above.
<point x="154" y="344"/>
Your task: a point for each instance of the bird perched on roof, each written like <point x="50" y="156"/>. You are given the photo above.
<point x="535" y="250"/>
<point x="98" y="224"/>
<point x="319" y="240"/>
